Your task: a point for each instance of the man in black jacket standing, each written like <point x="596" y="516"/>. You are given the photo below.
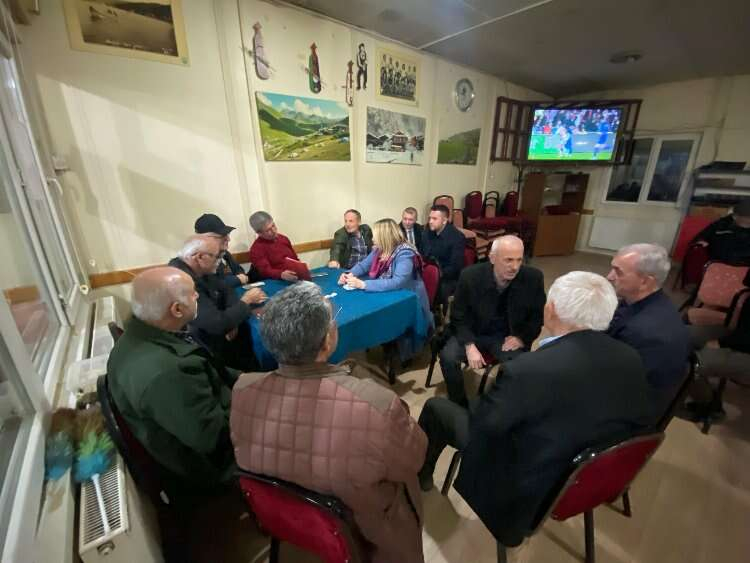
<point x="220" y="324"/>
<point x="579" y="388"/>
<point x="233" y="273"/>
<point x="445" y="244"/>
<point x="728" y="238"/>
<point x="497" y="309"/>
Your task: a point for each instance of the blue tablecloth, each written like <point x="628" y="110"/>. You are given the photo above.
<point x="366" y="320"/>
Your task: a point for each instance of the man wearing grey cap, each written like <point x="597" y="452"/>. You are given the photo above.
<point x="229" y="269"/>
<point x="728" y="238"/>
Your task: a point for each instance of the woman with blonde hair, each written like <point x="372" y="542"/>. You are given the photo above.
<point x="393" y="264"/>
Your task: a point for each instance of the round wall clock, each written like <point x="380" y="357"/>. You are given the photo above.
<point x="464" y="94"/>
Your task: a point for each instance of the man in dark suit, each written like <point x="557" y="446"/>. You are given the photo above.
<point x="497" y="309"/>
<point x="579" y="388"/>
<point x="445" y="244"/>
<point x="220" y="324"/>
<point x="728" y="238"/>
<point x="646" y="318"/>
<point x="412" y="230"/>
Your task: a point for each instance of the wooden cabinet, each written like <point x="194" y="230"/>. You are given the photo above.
<point x="553" y="204"/>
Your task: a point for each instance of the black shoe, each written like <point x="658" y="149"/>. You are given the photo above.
<point x="699" y="412"/>
<point x="425" y="481"/>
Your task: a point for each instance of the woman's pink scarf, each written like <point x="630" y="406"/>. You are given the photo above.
<point x="384" y="269"/>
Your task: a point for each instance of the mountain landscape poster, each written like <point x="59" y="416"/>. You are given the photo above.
<point x="459" y="148"/>
<point x="394" y="138"/>
<point x="297" y="128"/>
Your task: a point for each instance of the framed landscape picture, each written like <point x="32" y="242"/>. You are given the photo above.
<point x="394" y="138"/>
<point x="297" y="128"/>
<point x="145" y="29"/>
<point x="459" y="148"/>
<point x="397" y="77"/>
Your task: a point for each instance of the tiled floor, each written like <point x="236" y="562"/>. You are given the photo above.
<point x="691" y="504"/>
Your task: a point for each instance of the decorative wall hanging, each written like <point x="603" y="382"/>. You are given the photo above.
<point x="297" y="128"/>
<point x="459" y="148"/>
<point x="399" y="77"/>
<point x="151" y="30"/>
<point x="463" y="94"/>
<point x="349" y="84"/>
<point x="394" y="138"/>
<point x="259" y="54"/>
<point x="361" y="67"/>
<point x="313" y="68"/>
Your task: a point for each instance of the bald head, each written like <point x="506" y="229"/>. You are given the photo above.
<point x="506" y="256"/>
<point x="201" y="253"/>
<point x="164" y="297"/>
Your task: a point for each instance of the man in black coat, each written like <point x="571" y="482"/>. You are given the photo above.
<point x="233" y="273"/>
<point x="220" y="324"/>
<point x="578" y="389"/>
<point x="413" y="231"/>
<point x="445" y="244"/>
<point x="497" y="309"/>
<point x="728" y="238"/>
<point x="646" y="318"/>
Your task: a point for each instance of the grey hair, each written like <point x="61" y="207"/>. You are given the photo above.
<point x="295" y="323"/>
<point x="583" y="299"/>
<point x="653" y="260"/>
<point x="259" y="220"/>
<point x="505" y="238"/>
<point x="151" y="306"/>
<point x="191" y="247"/>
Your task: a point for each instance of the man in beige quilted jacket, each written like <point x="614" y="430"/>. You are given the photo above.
<point x="329" y="430"/>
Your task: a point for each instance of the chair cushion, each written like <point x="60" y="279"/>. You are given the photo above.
<point x="706" y="316"/>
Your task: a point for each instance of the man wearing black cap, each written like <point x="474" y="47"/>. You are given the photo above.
<point x="728" y="238"/>
<point x="232" y="273"/>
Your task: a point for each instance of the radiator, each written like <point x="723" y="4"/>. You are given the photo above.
<point x="612" y="233"/>
<point x="133" y="536"/>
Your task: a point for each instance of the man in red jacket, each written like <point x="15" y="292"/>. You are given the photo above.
<point x="270" y="249"/>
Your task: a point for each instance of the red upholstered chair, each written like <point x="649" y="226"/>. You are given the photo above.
<point x="437" y="344"/>
<point x="473" y="204"/>
<point x="599" y="475"/>
<point x="510" y="204"/>
<point x="719" y="286"/>
<point x="317" y="523"/>
<point x="689" y="228"/>
<point x="446" y="200"/>
<point x="478" y="245"/>
<point x="431" y="279"/>
<point x="692" y="258"/>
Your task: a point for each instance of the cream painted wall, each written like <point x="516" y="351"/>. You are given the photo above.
<point x="150" y="146"/>
<point x="714" y="108"/>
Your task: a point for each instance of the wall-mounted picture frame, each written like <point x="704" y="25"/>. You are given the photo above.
<point x="394" y="138"/>
<point x="297" y="128"/>
<point x="397" y="77"/>
<point x="151" y="30"/>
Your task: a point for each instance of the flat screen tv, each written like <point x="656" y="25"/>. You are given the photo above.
<point x="574" y="134"/>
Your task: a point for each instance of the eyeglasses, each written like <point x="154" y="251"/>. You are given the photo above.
<point x="212" y="255"/>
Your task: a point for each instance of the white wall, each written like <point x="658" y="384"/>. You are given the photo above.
<point x="151" y="146"/>
<point x="714" y="108"/>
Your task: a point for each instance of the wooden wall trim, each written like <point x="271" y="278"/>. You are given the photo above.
<point x="23" y="294"/>
<point x="117" y="277"/>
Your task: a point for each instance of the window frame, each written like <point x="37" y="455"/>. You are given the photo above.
<point x="648" y="176"/>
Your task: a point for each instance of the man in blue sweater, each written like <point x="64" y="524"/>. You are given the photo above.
<point x="646" y="318"/>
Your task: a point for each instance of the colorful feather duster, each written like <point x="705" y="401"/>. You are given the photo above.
<point x="58" y="454"/>
<point x="95" y="454"/>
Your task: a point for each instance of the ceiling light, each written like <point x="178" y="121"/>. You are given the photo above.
<point x="626" y="57"/>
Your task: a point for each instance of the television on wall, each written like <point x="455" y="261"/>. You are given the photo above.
<point x="580" y="134"/>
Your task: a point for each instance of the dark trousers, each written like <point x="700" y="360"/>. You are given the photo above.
<point x="716" y="362"/>
<point x="445" y="290"/>
<point x="453" y="353"/>
<point x="446" y="424"/>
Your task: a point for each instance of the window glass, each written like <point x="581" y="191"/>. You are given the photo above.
<point x="627" y="181"/>
<point x="669" y="171"/>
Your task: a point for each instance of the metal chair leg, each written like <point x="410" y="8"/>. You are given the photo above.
<point x="626" y="503"/>
<point x="502" y="555"/>
<point x="588" y="525"/>
<point x="717" y="403"/>
<point x="433" y="361"/>
<point x="452" y="468"/>
<point x="273" y="555"/>
<point x="485" y="376"/>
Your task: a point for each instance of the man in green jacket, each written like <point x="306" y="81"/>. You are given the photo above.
<point x="351" y="243"/>
<point x="173" y="394"/>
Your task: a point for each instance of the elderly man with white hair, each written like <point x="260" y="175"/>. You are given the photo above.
<point x="646" y="318"/>
<point x="497" y="311"/>
<point x="173" y="395"/>
<point x="221" y="321"/>
<point x="578" y="388"/>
